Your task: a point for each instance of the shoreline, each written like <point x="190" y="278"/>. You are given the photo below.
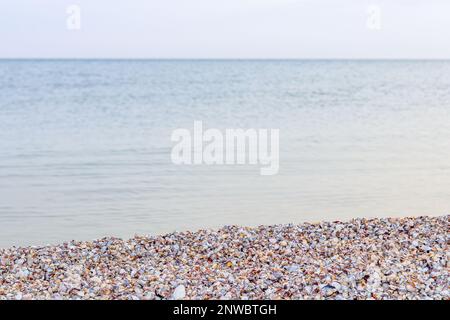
<point x="380" y="258"/>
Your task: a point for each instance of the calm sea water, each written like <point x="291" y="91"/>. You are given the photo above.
<point x="85" y="145"/>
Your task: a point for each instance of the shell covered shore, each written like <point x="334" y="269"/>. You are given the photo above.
<point x="402" y="258"/>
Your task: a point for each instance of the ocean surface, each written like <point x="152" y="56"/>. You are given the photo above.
<point x="85" y="145"/>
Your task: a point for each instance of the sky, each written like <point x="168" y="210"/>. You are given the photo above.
<point x="303" y="29"/>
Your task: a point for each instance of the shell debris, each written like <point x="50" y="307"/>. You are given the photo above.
<point x="387" y="258"/>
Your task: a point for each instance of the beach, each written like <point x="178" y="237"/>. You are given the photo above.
<point x="386" y="258"/>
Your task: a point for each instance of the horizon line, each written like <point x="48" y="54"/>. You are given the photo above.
<point x="225" y="59"/>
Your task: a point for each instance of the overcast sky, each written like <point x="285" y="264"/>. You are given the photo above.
<point x="226" y="29"/>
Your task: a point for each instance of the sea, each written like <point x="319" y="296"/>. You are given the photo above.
<point x="85" y="145"/>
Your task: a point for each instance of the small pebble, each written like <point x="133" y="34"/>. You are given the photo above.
<point x="179" y="293"/>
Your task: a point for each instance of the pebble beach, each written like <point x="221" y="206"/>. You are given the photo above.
<point x="388" y="258"/>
